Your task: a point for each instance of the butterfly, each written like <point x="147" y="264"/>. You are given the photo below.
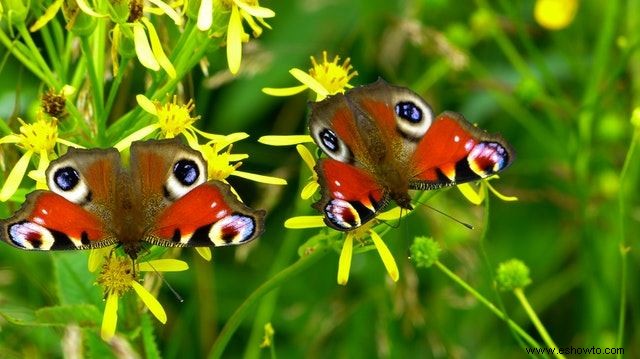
<point x="162" y="198"/>
<point x="383" y="140"/>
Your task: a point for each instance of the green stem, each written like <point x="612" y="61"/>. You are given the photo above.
<point x="52" y="51"/>
<point x="236" y="318"/>
<point x="113" y="91"/>
<point x="487" y="304"/>
<point x="96" y="88"/>
<point x="24" y="58"/>
<point x="536" y="321"/>
<point x="50" y="77"/>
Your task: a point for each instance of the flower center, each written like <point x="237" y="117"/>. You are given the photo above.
<point x="332" y="75"/>
<point x="116" y="275"/>
<point x="39" y="136"/>
<point x="218" y="164"/>
<point x="174" y="118"/>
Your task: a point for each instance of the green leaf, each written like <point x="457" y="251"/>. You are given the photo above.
<point x="75" y="282"/>
<point x="96" y="347"/>
<point x="84" y="315"/>
<point x="148" y="338"/>
<point x="18" y="315"/>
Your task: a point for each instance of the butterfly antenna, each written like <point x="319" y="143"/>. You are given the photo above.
<point x="447" y="215"/>
<point x="175" y="293"/>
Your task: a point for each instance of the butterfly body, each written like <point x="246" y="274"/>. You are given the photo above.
<point x="383" y="141"/>
<point x="161" y="198"/>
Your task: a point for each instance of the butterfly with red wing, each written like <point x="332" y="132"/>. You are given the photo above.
<point x="162" y="198"/>
<point x="383" y="140"/>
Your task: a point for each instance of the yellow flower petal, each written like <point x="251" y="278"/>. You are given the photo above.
<point x="205" y="15"/>
<point x="306" y="155"/>
<point x="47" y="16"/>
<point x="344" y="263"/>
<point x="500" y="195"/>
<point x="386" y="256"/>
<point x="12" y="138"/>
<point x="163" y="265"/>
<point x="234" y="41"/>
<point x="15" y="177"/>
<point x="96" y="257"/>
<point x="555" y="14"/>
<point x="392" y="214"/>
<point x="68" y="143"/>
<point x="309" y="189"/>
<point x="308" y="80"/>
<point x="284" y="91"/>
<point x="143" y="49"/>
<point x="158" y="52"/>
<point x="204" y="252"/>
<point x="285" y="140"/>
<point x="109" y="318"/>
<point x="168" y="10"/>
<point x="150" y="301"/>
<point x="256" y="11"/>
<point x="259" y="178"/>
<point x="304" y="222"/>
<point x="147" y="104"/>
<point x="43" y="163"/>
<point x="82" y="4"/>
<point x="473" y="196"/>
<point x="137" y="135"/>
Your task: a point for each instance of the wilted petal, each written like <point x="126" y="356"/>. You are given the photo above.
<point x="15" y="177"/>
<point x="285" y="140"/>
<point x="109" y="318"/>
<point x="234" y="41"/>
<point x="304" y="222"/>
<point x="163" y="265"/>
<point x="500" y="195"/>
<point x="150" y="301"/>
<point x="177" y="19"/>
<point x="386" y="256"/>
<point x="259" y="178"/>
<point x="143" y="49"/>
<point x="82" y="4"/>
<point x="344" y="264"/>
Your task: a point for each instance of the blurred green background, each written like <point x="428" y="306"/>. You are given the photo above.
<point x="563" y="98"/>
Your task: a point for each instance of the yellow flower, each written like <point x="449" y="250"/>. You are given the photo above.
<point x="173" y="119"/>
<point x="117" y="277"/>
<point x="476" y="197"/>
<point x="52" y="10"/>
<point x="325" y="78"/>
<point x="37" y="138"/>
<point x="240" y="9"/>
<point x="148" y="48"/>
<point x="361" y="233"/>
<point x="555" y="14"/>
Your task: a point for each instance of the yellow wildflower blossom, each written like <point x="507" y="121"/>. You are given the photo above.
<point x="555" y="14"/>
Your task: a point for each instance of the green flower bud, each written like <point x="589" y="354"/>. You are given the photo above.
<point x="16" y="11"/>
<point x="425" y="251"/>
<point x="512" y="274"/>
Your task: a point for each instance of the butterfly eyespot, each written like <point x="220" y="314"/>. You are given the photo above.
<point x="66" y="178"/>
<point x="331" y="144"/>
<point x="409" y="111"/>
<point x="413" y="119"/>
<point x="186" y="172"/>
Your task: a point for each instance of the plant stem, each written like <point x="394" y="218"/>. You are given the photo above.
<point x="536" y="321"/>
<point x="236" y="318"/>
<point x="96" y="87"/>
<point x="487" y="304"/>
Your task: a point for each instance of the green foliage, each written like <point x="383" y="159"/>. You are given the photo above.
<point x="568" y="100"/>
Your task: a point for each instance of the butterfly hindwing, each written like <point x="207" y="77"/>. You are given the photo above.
<point x="208" y="215"/>
<point x="350" y="195"/>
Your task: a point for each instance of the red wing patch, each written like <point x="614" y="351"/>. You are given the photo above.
<point x="206" y="217"/>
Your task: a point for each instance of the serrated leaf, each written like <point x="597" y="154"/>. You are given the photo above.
<point x="84" y="315"/>
<point x="18" y="315"/>
<point x="75" y="284"/>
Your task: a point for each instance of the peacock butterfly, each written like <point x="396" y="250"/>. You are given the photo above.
<point x="162" y="198"/>
<point x="383" y="140"/>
